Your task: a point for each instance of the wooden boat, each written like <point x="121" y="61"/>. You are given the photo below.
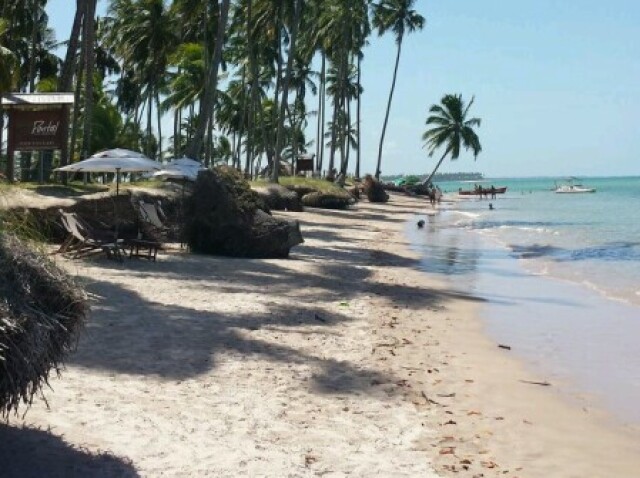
<point x="484" y="191"/>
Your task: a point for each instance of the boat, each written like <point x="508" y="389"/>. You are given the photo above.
<point x="481" y="190"/>
<point x="572" y="188"/>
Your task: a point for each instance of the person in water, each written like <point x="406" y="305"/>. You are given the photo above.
<point x="491" y="206"/>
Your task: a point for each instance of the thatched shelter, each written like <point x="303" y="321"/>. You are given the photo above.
<point x="41" y="314"/>
<point x="224" y="216"/>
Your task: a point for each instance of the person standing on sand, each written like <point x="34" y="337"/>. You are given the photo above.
<point x="438" y="194"/>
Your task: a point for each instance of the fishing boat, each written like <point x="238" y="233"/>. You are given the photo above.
<point x="572" y="188"/>
<point x="481" y="190"/>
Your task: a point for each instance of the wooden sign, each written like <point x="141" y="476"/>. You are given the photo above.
<point x="304" y="165"/>
<point x="31" y="130"/>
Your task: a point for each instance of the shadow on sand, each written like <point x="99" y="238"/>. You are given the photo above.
<point x="32" y="453"/>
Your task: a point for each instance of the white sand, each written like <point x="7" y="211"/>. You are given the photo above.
<point x="341" y="361"/>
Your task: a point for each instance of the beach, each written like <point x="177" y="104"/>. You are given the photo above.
<point x="344" y="360"/>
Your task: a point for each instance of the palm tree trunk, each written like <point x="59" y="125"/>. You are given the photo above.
<point x="243" y="118"/>
<point x="75" y="122"/>
<point x="176" y="133"/>
<point x="89" y="41"/>
<point x="359" y="99"/>
<point x="334" y="135"/>
<point x="345" y="165"/>
<point x="285" y="88"/>
<point x="159" y="114"/>
<point x="66" y="75"/>
<point x="211" y="88"/>
<point x="433" y="173"/>
<point x="34" y="41"/>
<point x="322" y="122"/>
<point x="319" y="141"/>
<point x="253" y="71"/>
<point x="149" y="121"/>
<point x="386" y="116"/>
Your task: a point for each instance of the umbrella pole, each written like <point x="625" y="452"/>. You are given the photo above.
<point x="117" y="181"/>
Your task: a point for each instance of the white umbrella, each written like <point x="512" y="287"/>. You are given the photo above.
<point x="113" y="160"/>
<point x="183" y="168"/>
<point x="184" y="161"/>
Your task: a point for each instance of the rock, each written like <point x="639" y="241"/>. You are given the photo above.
<point x="279" y="198"/>
<point x="224" y="216"/>
<point x="301" y="190"/>
<point x="374" y="190"/>
<point x="332" y="200"/>
<point x="282" y="234"/>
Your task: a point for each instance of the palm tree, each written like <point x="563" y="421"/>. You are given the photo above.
<point x="208" y="99"/>
<point x="399" y="17"/>
<point x="451" y="129"/>
<point x="285" y="88"/>
<point x="88" y="45"/>
<point x="9" y="72"/>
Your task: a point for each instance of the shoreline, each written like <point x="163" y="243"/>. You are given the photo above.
<point x="346" y="358"/>
<point x="561" y="329"/>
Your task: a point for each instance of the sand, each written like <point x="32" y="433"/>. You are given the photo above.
<point x="344" y="360"/>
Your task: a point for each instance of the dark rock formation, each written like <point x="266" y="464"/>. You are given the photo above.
<point x="224" y="216"/>
<point x="279" y="198"/>
<point x="330" y="200"/>
<point x="374" y="190"/>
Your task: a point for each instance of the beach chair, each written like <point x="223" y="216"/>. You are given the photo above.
<point x="83" y="239"/>
<point x="151" y="225"/>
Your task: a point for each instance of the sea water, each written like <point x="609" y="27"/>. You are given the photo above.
<point x="561" y="275"/>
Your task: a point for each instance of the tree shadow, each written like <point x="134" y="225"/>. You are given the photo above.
<point x="33" y="453"/>
<point x="177" y="342"/>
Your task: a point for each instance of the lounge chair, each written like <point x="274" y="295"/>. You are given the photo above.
<point x="83" y="239"/>
<point x="151" y="225"/>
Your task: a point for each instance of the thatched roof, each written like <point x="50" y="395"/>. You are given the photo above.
<point x="41" y="313"/>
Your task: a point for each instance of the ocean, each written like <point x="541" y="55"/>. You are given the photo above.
<point x="561" y="276"/>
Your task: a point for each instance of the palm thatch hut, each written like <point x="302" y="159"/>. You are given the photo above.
<point x="42" y="311"/>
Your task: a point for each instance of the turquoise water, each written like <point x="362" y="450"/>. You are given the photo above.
<point x="560" y="275"/>
<point x="593" y="239"/>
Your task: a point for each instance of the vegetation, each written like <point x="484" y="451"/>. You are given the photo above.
<point x="450" y="129"/>
<point x="41" y="313"/>
<point x="235" y="76"/>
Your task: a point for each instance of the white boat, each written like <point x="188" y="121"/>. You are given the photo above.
<point x="571" y="188"/>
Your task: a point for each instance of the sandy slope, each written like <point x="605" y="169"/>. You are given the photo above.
<point x="341" y="361"/>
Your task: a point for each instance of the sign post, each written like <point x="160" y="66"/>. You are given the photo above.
<point x="37" y="122"/>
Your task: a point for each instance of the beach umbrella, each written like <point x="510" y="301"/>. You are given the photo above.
<point x="113" y="161"/>
<point x="182" y="168"/>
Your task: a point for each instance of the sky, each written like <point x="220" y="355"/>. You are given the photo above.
<point x="556" y="85"/>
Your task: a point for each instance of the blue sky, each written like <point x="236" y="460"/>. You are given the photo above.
<point x="556" y="85"/>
